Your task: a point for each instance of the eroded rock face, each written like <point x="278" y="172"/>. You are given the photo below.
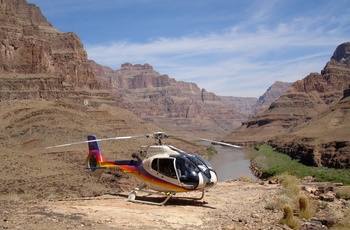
<point x="310" y="121"/>
<point x="163" y="100"/>
<point x="168" y="103"/>
<point x="272" y="94"/>
<point x="31" y="48"/>
<point x="342" y="53"/>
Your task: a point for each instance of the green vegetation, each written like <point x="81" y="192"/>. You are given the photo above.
<point x="304" y="207"/>
<point x="289" y="193"/>
<point x="211" y="152"/>
<point x="289" y="219"/>
<point x="272" y="163"/>
<point x="291" y="198"/>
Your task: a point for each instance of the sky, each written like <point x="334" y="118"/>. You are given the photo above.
<point x="228" y="47"/>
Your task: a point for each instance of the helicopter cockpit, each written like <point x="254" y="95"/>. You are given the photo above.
<point x="191" y="171"/>
<point x="187" y="172"/>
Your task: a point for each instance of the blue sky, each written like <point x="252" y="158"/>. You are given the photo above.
<point x="229" y="47"/>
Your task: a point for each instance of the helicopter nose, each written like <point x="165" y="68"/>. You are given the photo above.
<point x="213" y="180"/>
<point x="214" y="176"/>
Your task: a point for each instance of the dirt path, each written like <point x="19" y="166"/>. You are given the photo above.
<point x="229" y="205"/>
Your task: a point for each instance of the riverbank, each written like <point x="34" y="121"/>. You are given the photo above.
<point x="268" y="163"/>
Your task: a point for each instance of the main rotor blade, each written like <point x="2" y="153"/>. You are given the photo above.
<point x="183" y="140"/>
<point x="222" y="143"/>
<point x="102" y="139"/>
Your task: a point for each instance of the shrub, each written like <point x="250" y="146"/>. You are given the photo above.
<point x="288" y="194"/>
<point x="291" y="187"/>
<point x="246" y="178"/>
<point x="304" y="207"/>
<point x="343" y="192"/>
<point x="289" y="219"/>
<point x="211" y="152"/>
<point x="279" y="202"/>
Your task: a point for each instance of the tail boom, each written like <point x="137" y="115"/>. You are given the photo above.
<point x="97" y="165"/>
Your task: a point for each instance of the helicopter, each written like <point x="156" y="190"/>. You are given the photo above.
<point x="162" y="168"/>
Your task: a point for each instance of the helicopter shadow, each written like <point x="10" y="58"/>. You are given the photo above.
<point x="173" y="201"/>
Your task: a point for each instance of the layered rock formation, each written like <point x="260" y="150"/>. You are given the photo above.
<point x="310" y="121"/>
<point x="271" y="95"/>
<point x="250" y="106"/>
<point x="175" y="105"/>
<point x="245" y="105"/>
<point x="37" y="60"/>
<point x="180" y="105"/>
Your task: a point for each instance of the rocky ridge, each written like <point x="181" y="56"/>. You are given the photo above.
<point x="39" y="62"/>
<point x="177" y="105"/>
<point x="271" y="95"/>
<point x="173" y="105"/>
<point x="310" y="121"/>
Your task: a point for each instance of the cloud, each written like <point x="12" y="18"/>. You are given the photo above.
<point x="234" y="48"/>
<point x="233" y="62"/>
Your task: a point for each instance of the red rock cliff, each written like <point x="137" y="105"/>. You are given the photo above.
<point x="29" y="44"/>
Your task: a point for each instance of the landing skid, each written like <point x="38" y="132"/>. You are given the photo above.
<point x="141" y="188"/>
<point x="194" y="198"/>
<point x="168" y="195"/>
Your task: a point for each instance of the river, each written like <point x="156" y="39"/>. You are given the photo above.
<point x="230" y="163"/>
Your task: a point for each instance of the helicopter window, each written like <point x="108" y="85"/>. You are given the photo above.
<point x="204" y="161"/>
<point x="188" y="172"/>
<point x="200" y="164"/>
<point x="164" y="166"/>
<point x="155" y="165"/>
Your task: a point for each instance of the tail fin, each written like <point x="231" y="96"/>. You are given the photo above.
<point x="94" y="159"/>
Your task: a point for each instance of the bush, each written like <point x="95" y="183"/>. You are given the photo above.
<point x="288" y="194"/>
<point x="211" y="152"/>
<point x="304" y="207"/>
<point x="245" y="178"/>
<point x="289" y="219"/>
<point x="343" y="192"/>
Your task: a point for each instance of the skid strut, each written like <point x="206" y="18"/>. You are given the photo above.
<point x="133" y="193"/>
<point x="194" y="198"/>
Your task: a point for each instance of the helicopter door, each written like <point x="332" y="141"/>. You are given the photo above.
<point x="188" y="173"/>
<point x="164" y="166"/>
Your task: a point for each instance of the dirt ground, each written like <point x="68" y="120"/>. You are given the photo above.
<point x="221" y="208"/>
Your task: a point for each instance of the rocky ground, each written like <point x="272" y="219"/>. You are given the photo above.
<point x="229" y="205"/>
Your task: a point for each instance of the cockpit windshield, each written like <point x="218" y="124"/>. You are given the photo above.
<point x="187" y="170"/>
<point x="205" y="162"/>
<point x="196" y="164"/>
<point x="202" y="164"/>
